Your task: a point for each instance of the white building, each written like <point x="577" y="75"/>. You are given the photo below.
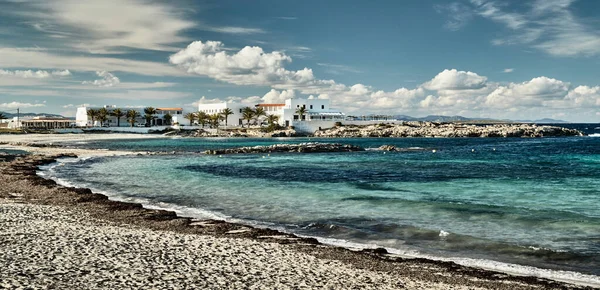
<point x="316" y="110"/>
<point x="82" y="119"/>
<point x="232" y="120"/>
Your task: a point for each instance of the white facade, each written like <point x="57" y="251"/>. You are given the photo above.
<point x="232" y="120"/>
<point x="316" y="110"/>
<point x="83" y="120"/>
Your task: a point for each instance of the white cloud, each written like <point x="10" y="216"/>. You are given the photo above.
<point x="338" y="69"/>
<point x="508" y="70"/>
<point x="19" y="105"/>
<point x="535" y="92"/>
<point x="249" y="66"/>
<point x="28" y="57"/>
<point x="584" y="96"/>
<point x="39" y="74"/>
<point x="109" y="25"/>
<point x="549" y="26"/>
<point x="62" y="73"/>
<point x="458" y="13"/>
<point x="107" y="80"/>
<point x="235" y="30"/>
<point x="455" y="80"/>
<point x="277" y="97"/>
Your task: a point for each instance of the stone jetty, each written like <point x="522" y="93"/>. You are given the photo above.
<point x="313" y="147"/>
<point x="446" y="130"/>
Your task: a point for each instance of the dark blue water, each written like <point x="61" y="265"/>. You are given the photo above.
<point x="528" y="202"/>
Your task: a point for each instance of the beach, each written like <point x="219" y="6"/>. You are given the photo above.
<point x="58" y="237"/>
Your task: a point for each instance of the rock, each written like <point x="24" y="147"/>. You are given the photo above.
<point x="446" y="130"/>
<point x="302" y="148"/>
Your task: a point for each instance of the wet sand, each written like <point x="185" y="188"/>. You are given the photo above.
<point x="57" y="237"/>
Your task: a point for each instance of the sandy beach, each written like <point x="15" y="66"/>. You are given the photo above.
<point x="54" y="237"/>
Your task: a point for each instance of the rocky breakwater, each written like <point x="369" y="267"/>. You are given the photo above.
<point x="313" y="147"/>
<point x="446" y="130"/>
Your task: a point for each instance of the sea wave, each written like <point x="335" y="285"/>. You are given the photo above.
<point x="594" y="135"/>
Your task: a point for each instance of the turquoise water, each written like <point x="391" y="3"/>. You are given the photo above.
<point x="532" y="202"/>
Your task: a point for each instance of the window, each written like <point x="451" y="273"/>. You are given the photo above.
<point x="304" y="106"/>
<point x="297" y="106"/>
<point x="240" y="110"/>
<point x="311" y="107"/>
<point x="322" y="107"/>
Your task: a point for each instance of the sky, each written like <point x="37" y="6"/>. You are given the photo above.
<point x="504" y="59"/>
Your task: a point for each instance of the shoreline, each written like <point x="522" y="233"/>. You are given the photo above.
<point x="99" y="206"/>
<point x="377" y="260"/>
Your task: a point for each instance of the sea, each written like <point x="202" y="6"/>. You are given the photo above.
<point x="518" y="205"/>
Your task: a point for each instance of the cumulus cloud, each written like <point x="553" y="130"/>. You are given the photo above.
<point x="455" y="80"/>
<point x="19" y="105"/>
<point x="107" y="80"/>
<point x="278" y="97"/>
<point x="249" y="66"/>
<point x="531" y="93"/>
<point x="39" y="74"/>
<point x="584" y="96"/>
<point x="451" y="91"/>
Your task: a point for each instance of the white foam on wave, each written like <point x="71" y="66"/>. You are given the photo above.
<point x="490" y="265"/>
<point x="594" y="135"/>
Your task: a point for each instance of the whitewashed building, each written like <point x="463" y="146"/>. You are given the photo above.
<point x="83" y="120"/>
<point x="318" y="112"/>
<point x="232" y="120"/>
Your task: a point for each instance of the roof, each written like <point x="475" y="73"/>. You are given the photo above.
<point x="169" y="109"/>
<point x="270" y="105"/>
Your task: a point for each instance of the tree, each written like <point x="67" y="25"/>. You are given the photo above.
<point x="132" y="115"/>
<point x="149" y="115"/>
<point x="248" y="115"/>
<point x="102" y="115"/>
<point x="214" y="120"/>
<point x="226" y="113"/>
<point x="259" y="112"/>
<point x="301" y="112"/>
<point x="271" y="119"/>
<point x="202" y="118"/>
<point x="92" y="114"/>
<point x="168" y="118"/>
<point x="190" y="116"/>
<point x="118" y="113"/>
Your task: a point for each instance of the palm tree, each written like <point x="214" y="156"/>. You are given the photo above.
<point x="272" y="119"/>
<point x="248" y="115"/>
<point x="102" y="115"/>
<point x="259" y="112"/>
<point x="190" y="116"/>
<point x="226" y="113"/>
<point x="132" y="115"/>
<point x="149" y="115"/>
<point x="301" y="111"/>
<point x="214" y="120"/>
<point x="118" y="113"/>
<point x="92" y="113"/>
<point x="202" y="118"/>
<point x="168" y="118"/>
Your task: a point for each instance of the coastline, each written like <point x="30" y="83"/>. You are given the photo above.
<point x="414" y="273"/>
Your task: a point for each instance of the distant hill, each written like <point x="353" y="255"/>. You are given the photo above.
<point x="440" y="118"/>
<point x="545" y="121"/>
<point x="22" y="115"/>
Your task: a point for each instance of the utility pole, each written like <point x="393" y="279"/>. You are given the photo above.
<point x="18" y="124"/>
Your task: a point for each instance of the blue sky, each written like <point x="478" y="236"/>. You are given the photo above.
<point x="476" y="58"/>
